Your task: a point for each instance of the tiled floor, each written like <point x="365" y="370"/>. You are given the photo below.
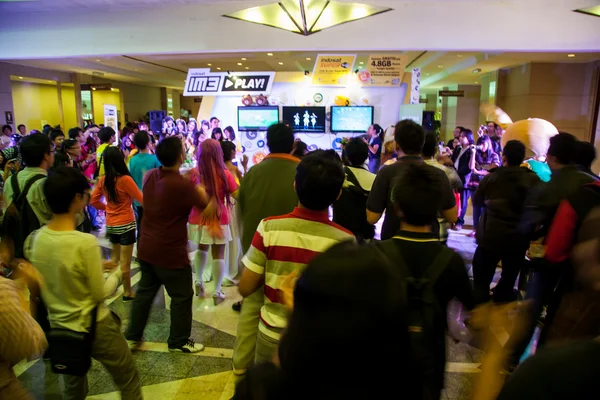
<point x="208" y="375"/>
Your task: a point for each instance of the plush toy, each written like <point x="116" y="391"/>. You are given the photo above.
<point x="535" y="133"/>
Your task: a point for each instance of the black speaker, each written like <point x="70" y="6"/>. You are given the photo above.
<point x="428" y="120"/>
<point x="156" y="119"/>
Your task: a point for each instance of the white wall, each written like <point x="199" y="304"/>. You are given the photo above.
<point x="386" y="101"/>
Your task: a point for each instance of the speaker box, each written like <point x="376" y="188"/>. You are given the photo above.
<point x="156" y="120"/>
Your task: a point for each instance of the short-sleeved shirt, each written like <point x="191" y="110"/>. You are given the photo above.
<point x="285" y="244"/>
<point x="139" y="165"/>
<point x="168" y="200"/>
<point x="100" y="159"/>
<point x="118" y="213"/>
<point x="375" y="141"/>
<point x="71" y="264"/>
<point x="232" y="186"/>
<point x="380" y="198"/>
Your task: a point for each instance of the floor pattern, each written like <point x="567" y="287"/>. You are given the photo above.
<point x="207" y="375"/>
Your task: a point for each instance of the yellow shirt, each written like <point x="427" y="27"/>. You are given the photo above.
<point x="99" y="152"/>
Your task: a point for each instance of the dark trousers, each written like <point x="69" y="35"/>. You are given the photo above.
<point x="139" y="213"/>
<point x="465" y="194"/>
<point x="178" y="283"/>
<point x="484" y="267"/>
<point x="477" y="211"/>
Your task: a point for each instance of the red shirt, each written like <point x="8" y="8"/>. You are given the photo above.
<point x="168" y="200"/>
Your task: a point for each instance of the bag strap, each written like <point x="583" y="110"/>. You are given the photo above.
<point x="14" y="183"/>
<point x="352" y="178"/>
<point x="22" y="195"/>
<point x="97" y="173"/>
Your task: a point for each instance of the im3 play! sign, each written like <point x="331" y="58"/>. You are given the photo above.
<point x="202" y="82"/>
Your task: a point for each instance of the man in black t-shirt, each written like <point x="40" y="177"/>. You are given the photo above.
<point x="410" y="138"/>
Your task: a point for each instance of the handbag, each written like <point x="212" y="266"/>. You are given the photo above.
<point x="70" y="352"/>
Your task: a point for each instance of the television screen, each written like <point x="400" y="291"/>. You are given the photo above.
<point x="257" y="118"/>
<point x="305" y="119"/>
<point x="353" y="119"/>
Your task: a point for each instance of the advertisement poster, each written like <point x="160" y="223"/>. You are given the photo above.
<point x="203" y="82"/>
<point x="333" y="69"/>
<point x="110" y="119"/>
<point x="383" y="70"/>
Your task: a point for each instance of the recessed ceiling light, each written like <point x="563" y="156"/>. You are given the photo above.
<point x="97" y="60"/>
<point x="440" y="66"/>
<point x="243" y="58"/>
<point x="459" y="55"/>
<point x="570" y="55"/>
<point x="240" y="64"/>
<point x="269" y="54"/>
<point x="20" y="77"/>
<point x="209" y="64"/>
<point x="476" y="82"/>
<point x="361" y="63"/>
<point x="308" y="58"/>
<point x="247" y="67"/>
<point x="280" y="63"/>
<point x="219" y="68"/>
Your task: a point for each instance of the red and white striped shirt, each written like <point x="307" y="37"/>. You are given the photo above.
<point x="282" y="245"/>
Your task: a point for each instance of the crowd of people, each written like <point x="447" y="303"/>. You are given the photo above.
<point x="313" y="288"/>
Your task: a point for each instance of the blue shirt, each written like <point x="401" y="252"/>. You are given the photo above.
<point x="139" y="165"/>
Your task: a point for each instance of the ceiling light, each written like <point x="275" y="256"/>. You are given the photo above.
<point x="476" y="82"/>
<point x="308" y="58"/>
<point x="240" y="64"/>
<point x="440" y="66"/>
<point x="459" y="55"/>
<point x="570" y="55"/>
<point x="269" y="54"/>
<point x="427" y="74"/>
<point x="219" y="68"/>
<point x="306" y="17"/>
<point x="476" y="70"/>
<point x="280" y="63"/>
<point x="243" y="58"/>
<point x="93" y="88"/>
<point x="97" y="60"/>
<point x="361" y="63"/>
<point x="20" y="77"/>
<point x="209" y="64"/>
<point x="247" y="67"/>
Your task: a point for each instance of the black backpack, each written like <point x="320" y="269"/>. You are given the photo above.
<point x="20" y="219"/>
<point x="425" y="317"/>
<point x="346" y="209"/>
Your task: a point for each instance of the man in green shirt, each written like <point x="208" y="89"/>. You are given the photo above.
<point x="267" y="190"/>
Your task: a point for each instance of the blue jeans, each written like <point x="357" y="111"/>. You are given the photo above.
<point x="374" y="164"/>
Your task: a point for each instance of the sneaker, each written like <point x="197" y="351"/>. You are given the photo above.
<point x="190" y="347"/>
<point x="237" y="306"/>
<point x="134" y="344"/>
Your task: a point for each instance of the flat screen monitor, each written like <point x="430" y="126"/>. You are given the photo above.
<point x="352" y="119"/>
<point x="257" y="118"/>
<point x="305" y="119"/>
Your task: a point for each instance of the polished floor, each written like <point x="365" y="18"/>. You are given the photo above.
<point x="207" y="375"/>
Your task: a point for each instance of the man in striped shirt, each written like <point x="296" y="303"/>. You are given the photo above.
<point x="286" y="244"/>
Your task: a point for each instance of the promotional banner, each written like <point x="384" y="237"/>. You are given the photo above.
<point x="202" y="82"/>
<point x="333" y="69"/>
<point x="111" y="119"/>
<point x="383" y="70"/>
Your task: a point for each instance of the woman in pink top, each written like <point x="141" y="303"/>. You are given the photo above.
<point x="119" y="189"/>
<point x="212" y="233"/>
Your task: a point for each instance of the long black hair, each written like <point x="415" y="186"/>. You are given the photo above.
<point x="114" y="167"/>
<point x="484" y="157"/>
<point x="379" y="131"/>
